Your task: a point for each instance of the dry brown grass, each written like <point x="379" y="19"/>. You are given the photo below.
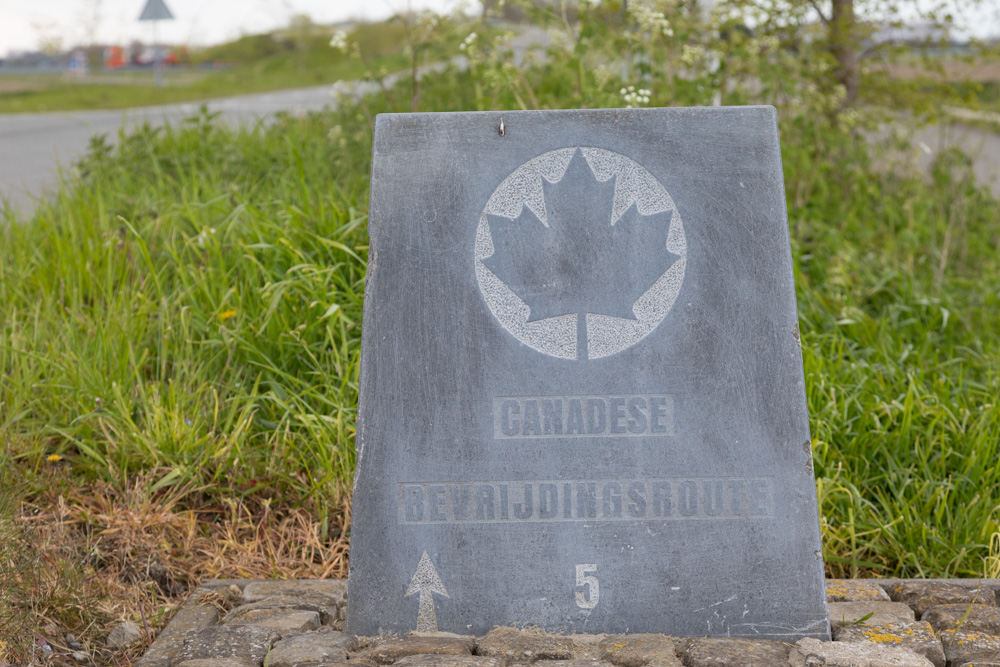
<point x="85" y="559"/>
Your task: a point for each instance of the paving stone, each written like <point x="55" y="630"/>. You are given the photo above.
<point x="336" y="589"/>
<point x="437" y="660"/>
<point x="922" y="595"/>
<point x="846" y="613"/>
<point x="249" y="642"/>
<point x="854" y="590"/>
<point x="640" y="649"/>
<point x="165" y="651"/>
<point x="515" y="645"/>
<point x="811" y="652"/>
<point x="732" y="652"/>
<point x="321" y="604"/>
<point x="124" y="634"/>
<point x="961" y="647"/>
<point x="579" y="662"/>
<point x="192" y="618"/>
<point x="283" y="621"/>
<point x="311" y="647"/>
<point x="971" y="618"/>
<point x="918" y="636"/>
<point x="218" y="662"/>
<point x="389" y="651"/>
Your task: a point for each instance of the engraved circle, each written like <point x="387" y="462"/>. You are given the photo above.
<point x="604" y="334"/>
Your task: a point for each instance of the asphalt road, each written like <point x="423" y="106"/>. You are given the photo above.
<point x="34" y="147"/>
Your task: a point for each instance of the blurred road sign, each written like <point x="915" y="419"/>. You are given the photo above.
<point x="156" y="10"/>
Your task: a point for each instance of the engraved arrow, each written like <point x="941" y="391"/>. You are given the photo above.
<point x="426" y="582"/>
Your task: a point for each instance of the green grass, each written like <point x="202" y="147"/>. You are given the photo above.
<point x="255" y="63"/>
<point x="190" y="303"/>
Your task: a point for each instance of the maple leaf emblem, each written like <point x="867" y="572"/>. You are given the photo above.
<point x="582" y="261"/>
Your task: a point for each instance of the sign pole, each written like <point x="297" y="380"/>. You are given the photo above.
<point x="157" y="62"/>
<point x="155" y="11"/>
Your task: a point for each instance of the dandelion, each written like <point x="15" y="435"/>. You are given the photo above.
<point x="54" y="458"/>
<point x="227" y="315"/>
<point x="339" y="41"/>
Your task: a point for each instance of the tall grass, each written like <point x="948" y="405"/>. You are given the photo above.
<point x="190" y="304"/>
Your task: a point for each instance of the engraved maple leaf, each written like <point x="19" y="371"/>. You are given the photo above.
<point x="581" y="262"/>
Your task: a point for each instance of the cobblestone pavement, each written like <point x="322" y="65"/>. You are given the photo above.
<point x="876" y="623"/>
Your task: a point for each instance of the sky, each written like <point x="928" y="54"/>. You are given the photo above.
<point x="26" y="23"/>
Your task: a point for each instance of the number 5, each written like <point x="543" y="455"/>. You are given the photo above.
<point x="589" y="599"/>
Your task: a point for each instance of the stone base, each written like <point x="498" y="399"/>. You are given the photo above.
<point x="300" y="623"/>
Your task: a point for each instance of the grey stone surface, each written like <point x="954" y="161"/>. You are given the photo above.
<point x="736" y="652"/>
<point x="124" y="634"/>
<point x="282" y="621"/>
<point x="335" y="589"/>
<point x="193" y="617"/>
<point x="846" y="613"/>
<point x="811" y="652"/>
<point x="639" y="650"/>
<point x="588" y="426"/>
<point x="218" y="662"/>
<point x="389" y="651"/>
<point x="854" y="590"/>
<point x="961" y="647"/>
<point x="165" y="651"/>
<point x="247" y="642"/>
<point x="973" y="618"/>
<point x="312" y="647"/>
<point x="436" y="660"/>
<point x="321" y="604"/>
<point x="922" y="595"/>
<point x="513" y="645"/>
<point x="918" y="636"/>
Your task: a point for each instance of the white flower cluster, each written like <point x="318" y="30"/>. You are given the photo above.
<point x="468" y="41"/>
<point x="692" y="54"/>
<point x="634" y="98"/>
<point x="339" y="40"/>
<point x="651" y="21"/>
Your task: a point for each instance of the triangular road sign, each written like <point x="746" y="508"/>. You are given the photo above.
<point x="156" y="10"/>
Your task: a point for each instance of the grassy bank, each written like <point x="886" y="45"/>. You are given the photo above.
<point x="251" y="64"/>
<point x="190" y="308"/>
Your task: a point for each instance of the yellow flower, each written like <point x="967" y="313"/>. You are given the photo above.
<point x="226" y="315"/>
<point x="55" y="458"/>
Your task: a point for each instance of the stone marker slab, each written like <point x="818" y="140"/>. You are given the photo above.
<point x="582" y="404"/>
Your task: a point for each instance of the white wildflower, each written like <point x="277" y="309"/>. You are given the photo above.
<point x="339" y="41"/>
<point x="651" y="21"/>
<point x="468" y="41"/>
<point x="692" y="54"/>
<point x="635" y="98"/>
